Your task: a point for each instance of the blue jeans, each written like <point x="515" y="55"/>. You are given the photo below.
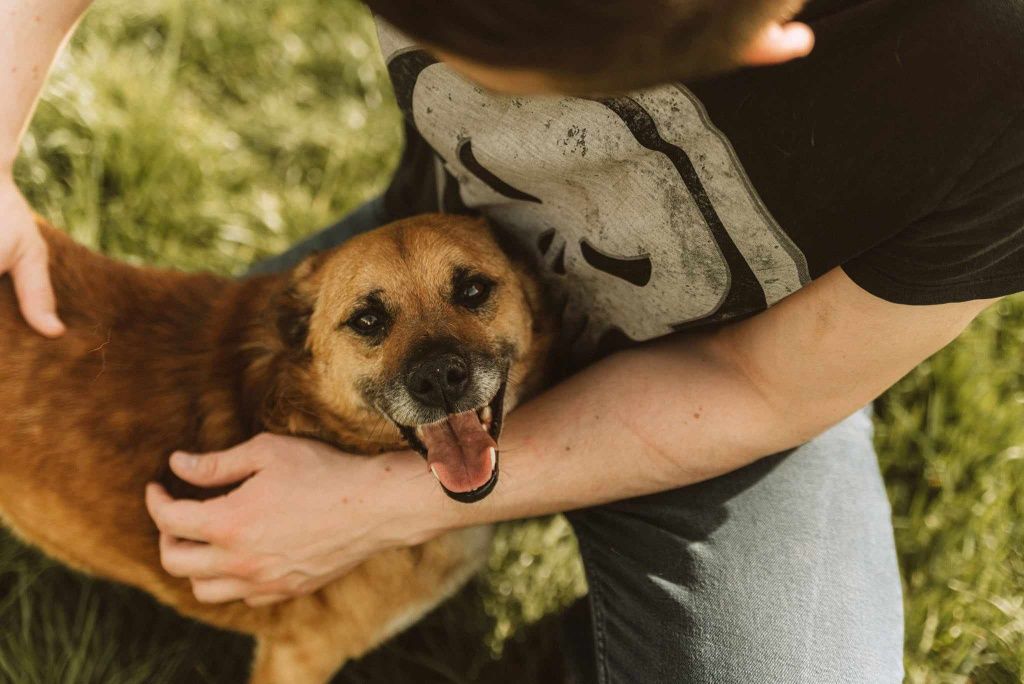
<point x="781" y="572"/>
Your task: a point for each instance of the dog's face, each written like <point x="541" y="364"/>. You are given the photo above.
<point x="427" y="328"/>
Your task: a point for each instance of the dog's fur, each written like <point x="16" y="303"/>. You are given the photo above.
<point x="157" y="361"/>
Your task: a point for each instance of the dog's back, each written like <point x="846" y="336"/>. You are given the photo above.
<point x="90" y="416"/>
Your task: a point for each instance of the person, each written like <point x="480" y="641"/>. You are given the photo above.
<point x="754" y="239"/>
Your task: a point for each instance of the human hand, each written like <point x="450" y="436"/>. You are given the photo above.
<point x="778" y="42"/>
<point x="306" y="514"/>
<point x="23" y="253"/>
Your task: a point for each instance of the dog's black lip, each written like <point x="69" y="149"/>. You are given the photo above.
<point x="481" y="491"/>
<point x="498" y="410"/>
<point x="409" y="433"/>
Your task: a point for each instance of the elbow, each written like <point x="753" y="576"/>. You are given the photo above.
<point x="794" y="404"/>
<point x="781" y="412"/>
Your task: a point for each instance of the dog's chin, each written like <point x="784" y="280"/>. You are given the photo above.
<point x="462" y="448"/>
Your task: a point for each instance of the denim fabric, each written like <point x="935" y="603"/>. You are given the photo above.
<point x="781" y="572"/>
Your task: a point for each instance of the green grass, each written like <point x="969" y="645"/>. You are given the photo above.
<point x="206" y="134"/>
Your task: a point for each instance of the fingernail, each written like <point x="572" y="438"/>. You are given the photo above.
<point x="186" y="461"/>
<point x="53" y="324"/>
<point x="799" y="37"/>
<point x="775" y="32"/>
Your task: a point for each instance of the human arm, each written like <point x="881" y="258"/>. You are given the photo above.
<point x="32" y="36"/>
<point x="664" y="415"/>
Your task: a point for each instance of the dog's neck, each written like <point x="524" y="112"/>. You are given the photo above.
<point x="246" y="367"/>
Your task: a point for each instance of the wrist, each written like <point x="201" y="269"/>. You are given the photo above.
<point x="411" y="499"/>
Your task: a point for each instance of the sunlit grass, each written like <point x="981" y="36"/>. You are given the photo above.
<point x="205" y="135"/>
<point x="950" y="436"/>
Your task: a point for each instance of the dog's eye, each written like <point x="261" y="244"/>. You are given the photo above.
<point x="368" y="322"/>
<point x="473" y="293"/>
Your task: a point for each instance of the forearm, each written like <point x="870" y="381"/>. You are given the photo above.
<point x="32" y="35"/>
<point x="690" y="408"/>
<point x="643" y="421"/>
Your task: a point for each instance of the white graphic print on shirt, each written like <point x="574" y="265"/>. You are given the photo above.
<point x="637" y="204"/>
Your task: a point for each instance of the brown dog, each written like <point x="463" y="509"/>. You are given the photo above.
<point x="424" y="329"/>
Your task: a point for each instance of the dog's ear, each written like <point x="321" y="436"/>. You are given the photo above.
<point x="293" y="313"/>
<point x="294" y="306"/>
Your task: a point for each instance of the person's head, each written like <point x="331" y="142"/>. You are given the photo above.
<point x="602" y="46"/>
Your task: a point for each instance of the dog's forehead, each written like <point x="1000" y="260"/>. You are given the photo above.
<point x="409" y="257"/>
<point x="458" y="241"/>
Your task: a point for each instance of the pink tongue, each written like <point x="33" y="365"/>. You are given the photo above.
<point x="459" y="452"/>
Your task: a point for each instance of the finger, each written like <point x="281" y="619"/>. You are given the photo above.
<point x="217" y="468"/>
<point x="32" y="285"/>
<point x="222" y="590"/>
<point x="269" y="599"/>
<point x="292" y="585"/>
<point x="185" y="558"/>
<point x="182" y="518"/>
<point x="313" y="583"/>
<point x="778" y="43"/>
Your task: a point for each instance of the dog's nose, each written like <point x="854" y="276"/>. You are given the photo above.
<point x="439" y="380"/>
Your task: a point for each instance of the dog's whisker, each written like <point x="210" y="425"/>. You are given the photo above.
<point x="421" y="476"/>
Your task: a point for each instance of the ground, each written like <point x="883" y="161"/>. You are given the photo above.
<point x="204" y="135"/>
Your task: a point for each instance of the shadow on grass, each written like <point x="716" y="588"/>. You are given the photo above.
<point x="61" y="626"/>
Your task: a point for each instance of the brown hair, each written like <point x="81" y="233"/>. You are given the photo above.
<point x="590" y="44"/>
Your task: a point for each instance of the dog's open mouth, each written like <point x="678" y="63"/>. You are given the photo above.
<point x="462" y="449"/>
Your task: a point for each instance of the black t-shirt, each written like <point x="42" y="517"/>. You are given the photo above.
<point x="896" y="151"/>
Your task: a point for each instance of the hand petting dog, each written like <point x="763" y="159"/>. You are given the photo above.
<point x="231" y="549"/>
<point x="23" y="254"/>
